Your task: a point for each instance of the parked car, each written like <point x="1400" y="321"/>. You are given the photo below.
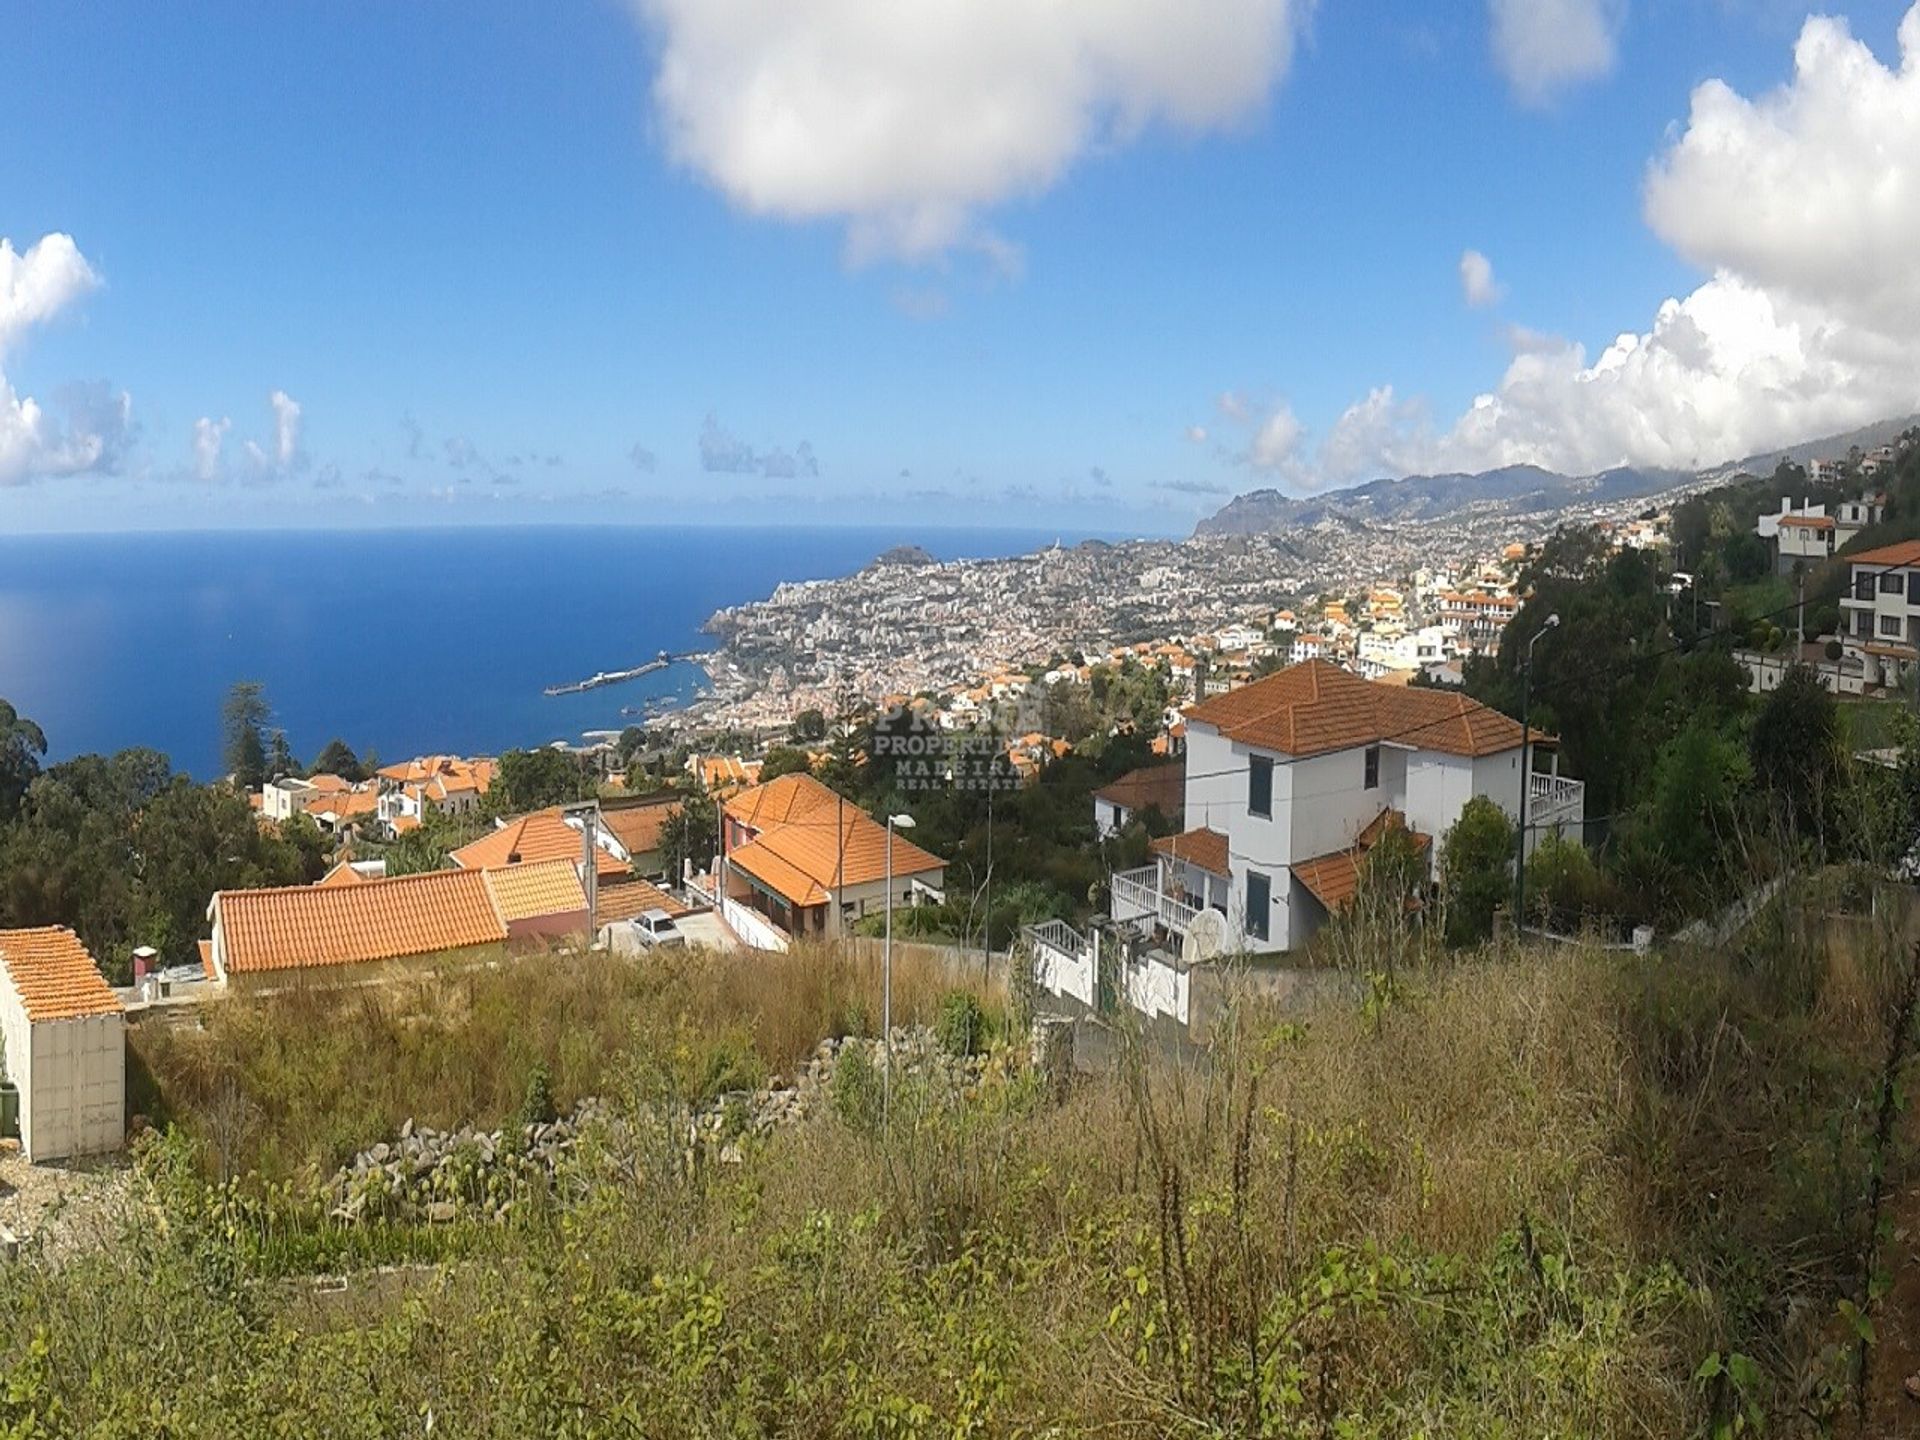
<point x="655" y="929"/>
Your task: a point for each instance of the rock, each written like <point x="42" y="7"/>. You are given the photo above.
<point x="379" y="1153"/>
<point x="441" y="1212"/>
<point x="406" y="1130"/>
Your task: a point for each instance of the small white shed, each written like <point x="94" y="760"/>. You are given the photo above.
<point x="66" y="1045"/>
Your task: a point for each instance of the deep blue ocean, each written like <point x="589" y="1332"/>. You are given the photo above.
<point x="410" y="642"/>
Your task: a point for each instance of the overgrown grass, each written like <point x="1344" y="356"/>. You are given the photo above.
<point x="1515" y="1197"/>
<point x="304" y="1077"/>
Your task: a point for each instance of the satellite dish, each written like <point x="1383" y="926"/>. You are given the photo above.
<point x="1206" y="937"/>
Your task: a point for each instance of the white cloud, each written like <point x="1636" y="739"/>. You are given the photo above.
<point x="1275" y="441"/>
<point x="1476" y="280"/>
<point x="1197" y="434"/>
<point x="1813" y="190"/>
<point x="1802" y="206"/>
<point x="286" y="428"/>
<point x="1545" y="47"/>
<point x="907" y="120"/>
<point x="208" y="436"/>
<point x="35" y="286"/>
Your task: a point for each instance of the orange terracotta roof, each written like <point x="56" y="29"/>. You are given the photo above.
<point x="624" y="899"/>
<point x="310" y="926"/>
<point x="542" y="835"/>
<point x="1808" y="522"/>
<point x="344" y="803"/>
<point x="1903" y="552"/>
<point x="545" y="887"/>
<point x="638" y="826"/>
<point x="1334" y="878"/>
<point x="329" y="784"/>
<point x="342" y="874"/>
<point x="1205" y="848"/>
<point x="55" y="976"/>
<point x="401" y="824"/>
<point x="1315" y="708"/>
<point x="1162" y="786"/>
<point x="795" y="853"/>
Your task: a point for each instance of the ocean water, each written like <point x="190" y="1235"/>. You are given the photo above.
<point x="407" y="641"/>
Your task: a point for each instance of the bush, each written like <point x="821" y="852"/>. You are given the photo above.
<point x="962" y="1026"/>
<point x="856" y="1088"/>
<point x="1563" y="882"/>
<point x="537" y="1108"/>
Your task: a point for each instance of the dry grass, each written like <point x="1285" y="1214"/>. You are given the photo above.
<point x="306" y="1075"/>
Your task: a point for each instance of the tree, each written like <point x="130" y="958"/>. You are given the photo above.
<point x="535" y="779"/>
<point x="810" y="726"/>
<point x="22" y="743"/>
<point x="690" y="835"/>
<point x="784" y="760"/>
<point x="243" y="745"/>
<point x="337" y="758"/>
<point x="280" y="759"/>
<point x="1796" y="749"/>
<point x="1475" y="860"/>
<point x="1563" y="882"/>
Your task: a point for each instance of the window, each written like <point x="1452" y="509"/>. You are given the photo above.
<point x="1259" y="901"/>
<point x="1260" y="786"/>
<point x="1373" y="768"/>
<point x="1890" y="626"/>
<point x="1892" y="582"/>
<point x="1913" y="587"/>
<point x="1862" y="585"/>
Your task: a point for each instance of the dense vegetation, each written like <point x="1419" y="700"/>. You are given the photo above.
<point x="127" y="851"/>
<point x="1555" y="1194"/>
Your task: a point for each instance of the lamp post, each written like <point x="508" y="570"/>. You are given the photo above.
<point x="1526" y="776"/>
<point x="901" y="821"/>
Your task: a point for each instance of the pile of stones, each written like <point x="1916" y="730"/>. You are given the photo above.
<point x="443" y="1175"/>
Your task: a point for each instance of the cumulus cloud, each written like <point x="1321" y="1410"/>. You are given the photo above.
<point x="724" y="453"/>
<point x="1276" y="440"/>
<point x="1189" y="487"/>
<point x="1476" y="280"/>
<point x="91" y="425"/>
<point x="644" y="460"/>
<point x="1545" y="47"/>
<point x="1800" y="205"/>
<point x="907" y="121"/>
<point x="208" y="437"/>
<point x="1197" y="434"/>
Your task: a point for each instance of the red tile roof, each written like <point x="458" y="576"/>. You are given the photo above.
<point x="1205" y="848"/>
<point x="1333" y="879"/>
<point x="638" y="826"/>
<point x="55" y="976"/>
<point x="543" y="835"/>
<point x="1315" y="708"/>
<point x="795" y="853"/>
<point x="308" y="926"/>
<point x="1902" y="552"/>
<point x="1153" y="786"/>
<point x="624" y="899"/>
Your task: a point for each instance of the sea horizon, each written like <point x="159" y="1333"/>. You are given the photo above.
<point x="409" y="640"/>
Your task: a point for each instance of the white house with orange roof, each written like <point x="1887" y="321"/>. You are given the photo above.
<point x="62" y="1045"/>
<point x="1291" y="780"/>
<point x="797" y="859"/>
<point x="448" y="784"/>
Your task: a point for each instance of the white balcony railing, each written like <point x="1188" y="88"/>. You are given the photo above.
<point x="1554" y="797"/>
<point x="1137" y="895"/>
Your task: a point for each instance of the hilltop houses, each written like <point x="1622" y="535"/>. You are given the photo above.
<point x="798" y="860"/>
<point x="1290" y="781"/>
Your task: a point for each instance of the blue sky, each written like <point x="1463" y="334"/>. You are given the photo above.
<point x="489" y="255"/>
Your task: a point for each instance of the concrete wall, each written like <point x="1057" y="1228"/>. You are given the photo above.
<point x="751" y="926"/>
<point x="75" y="1101"/>
<point x="1059" y="973"/>
<point x="1154" y="987"/>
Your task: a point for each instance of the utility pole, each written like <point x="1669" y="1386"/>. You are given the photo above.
<point x="1526" y="778"/>
<point x="1800" y="583"/>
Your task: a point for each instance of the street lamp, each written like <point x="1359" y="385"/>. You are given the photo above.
<point x="1526" y="776"/>
<point x="901" y="821"/>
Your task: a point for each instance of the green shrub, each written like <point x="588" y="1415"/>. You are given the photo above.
<point x="855" y="1088"/>
<point x="962" y="1026"/>
<point x="537" y="1108"/>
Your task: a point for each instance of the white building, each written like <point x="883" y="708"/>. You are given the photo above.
<point x="284" y="798"/>
<point x="1880" y="610"/>
<point x="64" y="1034"/>
<point x="1289" y="782"/>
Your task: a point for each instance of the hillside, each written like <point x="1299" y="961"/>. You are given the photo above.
<point x="1515" y="489"/>
<point x="1544" y="1193"/>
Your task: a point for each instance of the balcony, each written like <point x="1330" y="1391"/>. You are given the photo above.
<point x="1137" y="896"/>
<point x="1556" y="800"/>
